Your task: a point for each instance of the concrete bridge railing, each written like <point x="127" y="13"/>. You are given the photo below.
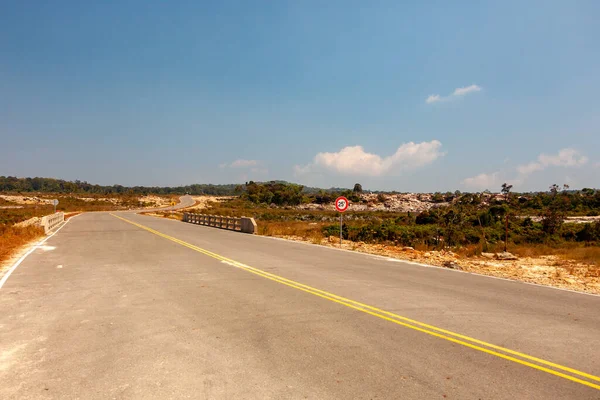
<point x="49" y="222"/>
<point x="243" y="224"/>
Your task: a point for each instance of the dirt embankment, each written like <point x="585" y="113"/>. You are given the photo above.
<point x="203" y="202"/>
<point x="25" y="200"/>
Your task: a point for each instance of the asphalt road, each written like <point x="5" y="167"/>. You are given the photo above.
<point x="156" y="308"/>
<point x="184" y="201"/>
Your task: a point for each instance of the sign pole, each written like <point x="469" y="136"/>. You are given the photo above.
<point x="341" y="229"/>
<point x="341" y="205"/>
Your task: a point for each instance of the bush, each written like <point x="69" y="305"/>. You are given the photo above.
<point x="427" y="217"/>
<point x="281" y="194"/>
<point x="472" y="235"/>
<point x="589" y="233"/>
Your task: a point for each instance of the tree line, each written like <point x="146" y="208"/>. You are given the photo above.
<point x="14" y="184"/>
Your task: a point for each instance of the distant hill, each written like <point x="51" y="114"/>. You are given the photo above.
<point x="13" y="184"/>
<point x="308" y="189"/>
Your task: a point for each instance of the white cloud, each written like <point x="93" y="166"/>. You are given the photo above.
<point x="241" y="163"/>
<point x="458" y="92"/>
<point x="433" y="98"/>
<point x="565" y="158"/>
<point x="466" y="90"/>
<point x="354" y="160"/>
<point x="483" y="181"/>
<point x="302" y="169"/>
<point x="244" y="163"/>
<point x="529" y="168"/>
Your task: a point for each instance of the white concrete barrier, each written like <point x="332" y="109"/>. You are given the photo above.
<point x="49" y="222"/>
<point x="243" y="224"/>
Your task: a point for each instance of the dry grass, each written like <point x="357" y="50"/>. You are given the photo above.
<point x="164" y="214"/>
<point x="71" y="215"/>
<point x="567" y="251"/>
<point x="580" y="253"/>
<point x="589" y="255"/>
<point x="304" y="230"/>
<point x="13" y="238"/>
<point x="15" y="215"/>
<point x="569" y="259"/>
<point x="4" y="202"/>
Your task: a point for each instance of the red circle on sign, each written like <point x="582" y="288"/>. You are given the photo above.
<point x="341" y="204"/>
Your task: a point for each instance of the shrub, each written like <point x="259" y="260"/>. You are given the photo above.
<point x="426" y="217"/>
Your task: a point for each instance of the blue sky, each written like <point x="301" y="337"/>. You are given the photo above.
<point x="412" y="97"/>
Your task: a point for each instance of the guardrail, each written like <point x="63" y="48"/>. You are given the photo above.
<point x="49" y="222"/>
<point x="243" y="224"/>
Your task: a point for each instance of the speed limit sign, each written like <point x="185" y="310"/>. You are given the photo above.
<point x="341" y="204"/>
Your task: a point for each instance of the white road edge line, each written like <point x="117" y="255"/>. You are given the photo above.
<point x="399" y="260"/>
<point x="35" y="246"/>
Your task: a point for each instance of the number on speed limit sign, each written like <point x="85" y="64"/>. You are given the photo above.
<point x="341" y="204"/>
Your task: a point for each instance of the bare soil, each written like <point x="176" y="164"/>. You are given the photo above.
<point x="203" y="202"/>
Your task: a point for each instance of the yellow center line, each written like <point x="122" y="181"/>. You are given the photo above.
<point x="398" y="319"/>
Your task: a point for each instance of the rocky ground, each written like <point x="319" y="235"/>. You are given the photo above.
<point x="543" y="270"/>
<point x="155" y="201"/>
<point x="572" y="220"/>
<point x="25" y="199"/>
<point x="418" y="202"/>
<point x="147" y="201"/>
<point x="404" y="202"/>
<point x="203" y="201"/>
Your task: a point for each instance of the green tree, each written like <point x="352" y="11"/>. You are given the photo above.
<point x="506" y="188"/>
<point x="553" y="216"/>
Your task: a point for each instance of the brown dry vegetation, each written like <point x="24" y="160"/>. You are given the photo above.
<point x="311" y="232"/>
<point x="14" y="238"/>
<point x="578" y="252"/>
<point x="4" y="202"/>
<point x="71" y="215"/>
<point x="14" y="215"/>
